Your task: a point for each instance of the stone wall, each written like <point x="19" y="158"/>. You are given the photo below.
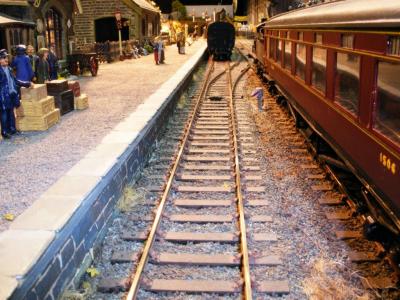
<point x="84" y="24"/>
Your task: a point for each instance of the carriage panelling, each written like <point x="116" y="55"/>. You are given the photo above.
<point x="359" y="145"/>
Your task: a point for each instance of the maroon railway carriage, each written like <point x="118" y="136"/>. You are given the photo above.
<point x="338" y="65"/>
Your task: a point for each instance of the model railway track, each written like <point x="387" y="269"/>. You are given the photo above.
<point x="209" y="146"/>
<point x="196" y="239"/>
<point x="210" y="122"/>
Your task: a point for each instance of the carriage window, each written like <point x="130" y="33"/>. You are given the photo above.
<point x="300" y="36"/>
<point x="394" y="45"/>
<point x="319" y="69"/>
<point x="272" y="46"/>
<point x="318" y="38"/>
<point x="347" y="81"/>
<point x="388" y="101"/>
<point x="301" y="61"/>
<point x="288" y="55"/>
<point x="279" y="51"/>
<point x="348" y="41"/>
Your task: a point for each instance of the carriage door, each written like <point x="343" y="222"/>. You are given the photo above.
<point x="54" y="30"/>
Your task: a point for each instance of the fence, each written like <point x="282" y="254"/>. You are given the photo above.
<point x="109" y="51"/>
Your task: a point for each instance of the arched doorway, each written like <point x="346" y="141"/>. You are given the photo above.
<point x="54" y="30"/>
<point x="106" y="30"/>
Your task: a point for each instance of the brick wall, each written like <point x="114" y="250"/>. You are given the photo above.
<point x="84" y="24"/>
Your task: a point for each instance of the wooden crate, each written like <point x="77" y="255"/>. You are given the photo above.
<point x="38" y="123"/>
<point x="81" y="102"/>
<point x="36" y="108"/>
<point x="56" y="87"/>
<point x="37" y="93"/>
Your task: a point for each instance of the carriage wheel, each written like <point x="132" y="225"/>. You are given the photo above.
<point x="94" y="66"/>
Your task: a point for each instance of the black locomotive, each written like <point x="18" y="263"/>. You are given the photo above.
<point x="221" y="40"/>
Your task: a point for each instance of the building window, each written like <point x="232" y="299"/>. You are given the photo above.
<point x="288" y="55"/>
<point x="394" y="45"/>
<point x="279" y="51"/>
<point x="54" y="30"/>
<point x="387" y="119"/>
<point x="348" y="41"/>
<point x="301" y="61"/>
<point x="347" y="81"/>
<point x="319" y="69"/>
<point x="16" y="36"/>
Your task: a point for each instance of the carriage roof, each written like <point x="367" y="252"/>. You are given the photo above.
<point x="342" y="14"/>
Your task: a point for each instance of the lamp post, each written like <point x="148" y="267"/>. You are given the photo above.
<point x="118" y="17"/>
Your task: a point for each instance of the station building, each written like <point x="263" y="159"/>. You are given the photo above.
<point x="140" y="20"/>
<point x="72" y="23"/>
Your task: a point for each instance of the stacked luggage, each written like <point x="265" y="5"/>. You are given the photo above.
<point x="37" y="111"/>
<point x="63" y="96"/>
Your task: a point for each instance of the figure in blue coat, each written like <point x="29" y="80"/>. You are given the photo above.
<point x="9" y="96"/>
<point x="22" y="65"/>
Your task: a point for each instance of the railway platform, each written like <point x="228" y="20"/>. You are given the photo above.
<point x="116" y="92"/>
<point x="63" y="184"/>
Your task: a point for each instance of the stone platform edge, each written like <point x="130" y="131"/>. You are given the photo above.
<point x="45" y="245"/>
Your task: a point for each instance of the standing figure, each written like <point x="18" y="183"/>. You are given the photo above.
<point x="9" y="96"/>
<point x="181" y="41"/>
<point x="33" y="59"/>
<point x="156" y="51"/>
<point x="259" y="94"/>
<point x="22" y="65"/>
<point x="53" y="63"/>
<point x="42" y="66"/>
<point x="161" y="50"/>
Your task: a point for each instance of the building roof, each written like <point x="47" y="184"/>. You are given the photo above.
<point x="338" y="14"/>
<point x="5" y="20"/>
<point x="146" y="5"/>
<point x="14" y="2"/>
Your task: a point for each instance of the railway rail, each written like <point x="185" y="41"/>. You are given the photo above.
<point x="210" y="145"/>
<point x="206" y="202"/>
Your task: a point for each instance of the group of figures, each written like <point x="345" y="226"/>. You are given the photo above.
<point x="25" y="70"/>
<point x="133" y="51"/>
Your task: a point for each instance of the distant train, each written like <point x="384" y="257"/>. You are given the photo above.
<point x="221" y="40"/>
<point x="338" y="67"/>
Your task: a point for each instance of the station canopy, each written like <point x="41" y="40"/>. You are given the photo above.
<point x="145" y="5"/>
<point x="14" y="2"/>
<point x="8" y="21"/>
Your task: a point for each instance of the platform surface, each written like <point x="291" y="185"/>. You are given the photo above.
<point x="33" y="161"/>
